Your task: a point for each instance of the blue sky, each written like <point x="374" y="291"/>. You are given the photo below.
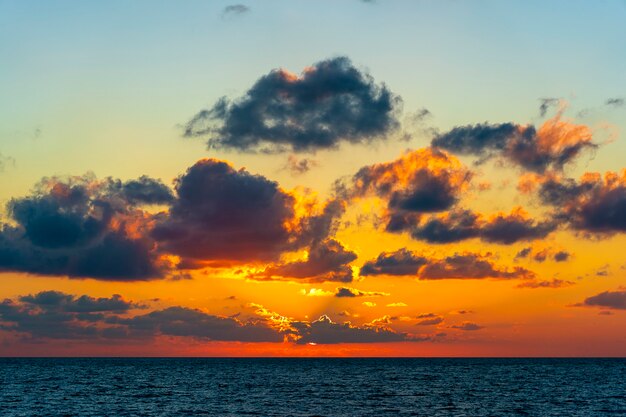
<point x="116" y="79"/>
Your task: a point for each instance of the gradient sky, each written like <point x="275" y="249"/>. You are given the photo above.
<point x="410" y="178"/>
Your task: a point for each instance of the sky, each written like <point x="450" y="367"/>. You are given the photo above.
<point x="299" y="178"/>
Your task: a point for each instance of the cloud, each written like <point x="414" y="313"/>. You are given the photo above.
<point x="235" y="10"/>
<point x="428" y="319"/>
<point x="602" y="272"/>
<point x="546" y="103"/>
<point x="325" y="331"/>
<point x="401" y="262"/>
<point x="463" y="312"/>
<point x="420" y="181"/>
<point x="467" y="326"/>
<point x="353" y="292"/>
<point x="524" y="253"/>
<point x="458" y="266"/>
<point x="615" y="300"/>
<point x="501" y="228"/>
<point x="470" y="266"/>
<point x="424" y="180"/>
<point x="556" y="143"/>
<point x="541" y="255"/>
<point x="82" y="227"/>
<point x="144" y="190"/>
<point x="615" y="102"/>
<point x="300" y="166"/>
<point x="595" y="204"/>
<point x="329" y="103"/>
<point x="430" y="181"/>
<point x="554" y="283"/>
<point x="327" y="261"/>
<point x="55" y="315"/>
<point x="399" y="304"/>
<point x="562" y="256"/>
<point x="55" y="300"/>
<point x="187" y="322"/>
<point x="227" y="215"/>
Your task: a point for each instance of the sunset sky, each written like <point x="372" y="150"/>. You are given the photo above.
<point x="313" y="178"/>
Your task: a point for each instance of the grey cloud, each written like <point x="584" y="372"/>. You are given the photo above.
<point x="235" y="10"/>
<point x="401" y="262"/>
<point x="325" y="331"/>
<point x="615" y="300"/>
<point x="330" y="103"/>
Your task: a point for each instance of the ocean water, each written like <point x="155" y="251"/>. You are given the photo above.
<point x="312" y="387"/>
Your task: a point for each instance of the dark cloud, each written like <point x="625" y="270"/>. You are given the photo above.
<point x="85" y="228"/>
<point x="144" y="190"/>
<point x="187" y="322"/>
<point x="615" y="102"/>
<point x="479" y="139"/>
<point x="55" y="300"/>
<point x="554" y="144"/>
<point x="562" y="256"/>
<point x="615" y="300"/>
<point x="517" y="226"/>
<point x="595" y="204"/>
<point x="454" y="226"/>
<point x="223" y="214"/>
<point x="457" y="266"/>
<point x="235" y="10"/>
<point x="327" y="261"/>
<point x="428" y="319"/>
<point x="400" y="262"/>
<point x="554" y="283"/>
<point x="353" y="292"/>
<point x="470" y="266"/>
<point x="501" y="228"/>
<point x="329" y="103"/>
<point x="468" y="326"/>
<point x="542" y="255"/>
<point x="420" y="181"/>
<point x="55" y="315"/>
<point x="325" y="331"/>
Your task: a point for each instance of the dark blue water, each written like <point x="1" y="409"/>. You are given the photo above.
<point x="312" y="387"/>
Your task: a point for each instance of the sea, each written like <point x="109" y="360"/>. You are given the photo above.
<point x="311" y="387"/>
